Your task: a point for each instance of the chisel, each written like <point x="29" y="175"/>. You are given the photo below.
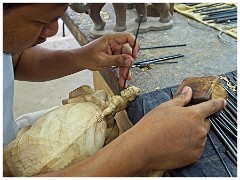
<point x="125" y="81"/>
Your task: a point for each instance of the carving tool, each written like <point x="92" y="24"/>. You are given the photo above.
<point x="133" y="49"/>
<point x="167" y="46"/>
<point x="211" y="9"/>
<point x="219" y="11"/>
<point x="224" y="136"/>
<point x="149" y="64"/>
<point x="191" y="4"/>
<point x="228" y="122"/>
<point x="208" y="5"/>
<point x="222" y="31"/>
<point x="160" y="59"/>
<point x="224" y="141"/>
<point x="225" y="15"/>
<point x="220" y="20"/>
<point x="226" y="129"/>
<point x="215" y="148"/>
<point x="231" y="157"/>
<point x="225" y="126"/>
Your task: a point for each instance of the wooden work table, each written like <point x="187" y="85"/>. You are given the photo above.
<point x="204" y="54"/>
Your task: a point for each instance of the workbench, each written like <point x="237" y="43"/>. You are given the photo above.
<point x="204" y="54"/>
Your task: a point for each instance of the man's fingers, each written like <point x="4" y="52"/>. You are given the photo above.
<point x="181" y="100"/>
<point x="124" y="62"/>
<point x="123" y="38"/>
<point x="118" y="60"/>
<point x="210" y="107"/>
<point x="123" y="71"/>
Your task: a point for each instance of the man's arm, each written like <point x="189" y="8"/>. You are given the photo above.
<point x="118" y="158"/>
<point x="40" y="64"/>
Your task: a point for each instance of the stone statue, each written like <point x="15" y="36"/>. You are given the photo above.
<point x="165" y="11"/>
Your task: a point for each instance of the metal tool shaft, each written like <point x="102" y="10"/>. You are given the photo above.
<point x="225" y="137"/>
<point x="219" y="11"/>
<point x="225" y="15"/>
<point x="208" y="5"/>
<point x="220" y="20"/>
<point x="125" y="81"/>
<point x="219" y="155"/>
<point x="211" y="9"/>
<point x="223" y="140"/>
<point x="166" y="46"/>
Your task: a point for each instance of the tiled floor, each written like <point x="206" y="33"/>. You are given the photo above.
<point x="32" y="96"/>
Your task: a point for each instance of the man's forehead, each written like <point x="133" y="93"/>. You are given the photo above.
<point x="55" y="8"/>
<point x="47" y="10"/>
<point x="52" y="6"/>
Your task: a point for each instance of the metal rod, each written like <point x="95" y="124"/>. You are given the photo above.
<point x="231" y="22"/>
<point x="211" y="9"/>
<point x="220" y="36"/>
<point x="146" y="65"/>
<point x="191" y="4"/>
<point x="227" y="140"/>
<point x="63" y="30"/>
<point x="170" y="62"/>
<point x="155" y="61"/>
<point x="220" y="20"/>
<point x="226" y="129"/>
<point x="231" y="109"/>
<point x="224" y="118"/>
<point x="228" y="122"/>
<point x="223" y="139"/>
<point x="234" y="103"/>
<point x="125" y="81"/>
<point x="208" y="5"/>
<point x="231" y="157"/>
<point x="234" y="73"/>
<point x="235" y="78"/>
<point x="167" y="46"/>
<point x="219" y="16"/>
<point x="218" y="11"/>
<point x="159" y="59"/>
<point x="229" y="114"/>
<point x="221" y="13"/>
<point x="219" y="155"/>
<point x="231" y="103"/>
<point x="230" y="92"/>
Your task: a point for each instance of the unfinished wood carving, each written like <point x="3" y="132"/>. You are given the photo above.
<point x="68" y="134"/>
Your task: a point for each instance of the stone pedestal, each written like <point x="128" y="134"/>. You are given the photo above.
<point x="152" y="24"/>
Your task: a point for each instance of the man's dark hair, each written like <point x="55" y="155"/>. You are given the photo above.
<point x="7" y="6"/>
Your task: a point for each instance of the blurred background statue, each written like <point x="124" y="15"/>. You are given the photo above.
<point x="162" y="11"/>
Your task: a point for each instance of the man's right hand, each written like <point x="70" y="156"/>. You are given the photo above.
<point x="172" y="135"/>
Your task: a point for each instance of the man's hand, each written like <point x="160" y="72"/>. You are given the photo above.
<point x="110" y="50"/>
<point x="171" y="135"/>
